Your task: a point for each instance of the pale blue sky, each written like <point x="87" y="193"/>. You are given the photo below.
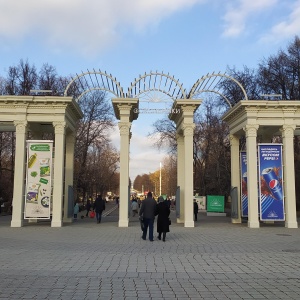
<point x="187" y="38"/>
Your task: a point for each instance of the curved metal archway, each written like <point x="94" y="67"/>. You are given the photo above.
<point x="152" y="82"/>
<point x="157" y="82"/>
<point x="208" y="83"/>
<point x="94" y="80"/>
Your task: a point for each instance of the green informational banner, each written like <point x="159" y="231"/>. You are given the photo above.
<point x="215" y="203"/>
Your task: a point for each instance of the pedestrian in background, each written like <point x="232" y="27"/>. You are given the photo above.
<point x="148" y="212"/>
<point x="88" y="207"/>
<point x="99" y="207"/>
<point x="134" y="207"/>
<point x="196" y="208"/>
<point x="163" y="212"/>
<point x="76" y="210"/>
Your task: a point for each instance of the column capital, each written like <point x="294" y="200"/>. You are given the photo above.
<point x="188" y="129"/>
<point x="59" y="127"/>
<point x="251" y="130"/>
<point x="124" y="128"/>
<point x="234" y="140"/>
<point x="21" y="126"/>
<point x="287" y="131"/>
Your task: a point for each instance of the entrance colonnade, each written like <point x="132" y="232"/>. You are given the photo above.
<point x="263" y="119"/>
<point x="39" y="114"/>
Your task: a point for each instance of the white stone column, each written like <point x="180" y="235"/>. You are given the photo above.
<point x="58" y="181"/>
<point x="188" y="132"/>
<point x="252" y="186"/>
<point x="124" y="173"/>
<point x="180" y="175"/>
<point x="289" y="176"/>
<point x="235" y="172"/>
<point x="69" y="171"/>
<point x="19" y="176"/>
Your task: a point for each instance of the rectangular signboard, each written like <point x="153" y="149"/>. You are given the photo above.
<point x="244" y="192"/>
<point x="38" y="179"/>
<point x="215" y="203"/>
<point x="271" y="182"/>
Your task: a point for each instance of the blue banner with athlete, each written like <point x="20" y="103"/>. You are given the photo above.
<point x="244" y="192"/>
<point x="271" y="183"/>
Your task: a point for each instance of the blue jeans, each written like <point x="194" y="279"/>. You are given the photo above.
<point x="148" y="223"/>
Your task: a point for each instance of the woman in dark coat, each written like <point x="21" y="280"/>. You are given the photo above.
<point x="163" y="212"/>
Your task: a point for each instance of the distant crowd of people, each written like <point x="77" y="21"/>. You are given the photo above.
<point x="147" y="210"/>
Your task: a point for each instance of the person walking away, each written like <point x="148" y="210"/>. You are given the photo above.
<point x="88" y="207"/>
<point x="163" y="212"/>
<point x="148" y="212"/>
<point x="76" y="211"/>
<point x="196" y="208"/>
<point x="99" y="207"/>
<point x="134" y="207"/>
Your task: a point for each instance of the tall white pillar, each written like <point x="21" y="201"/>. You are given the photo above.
<point x="124" y="173"/>
<point x="180" y="175"/>
<point x="289" y="176"/>
<point x="235" y="173"/>
<point x="70" y="144"/>
<point x="18" y="194"/>
<point x="252" y="189"/>
<point x="58" y="181"/>
<point x="188" y="132"/>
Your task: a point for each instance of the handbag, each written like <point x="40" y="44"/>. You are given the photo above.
<point x="92" y="214"/>
<point x="170" y="221"/>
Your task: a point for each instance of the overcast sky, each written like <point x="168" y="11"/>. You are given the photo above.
<point x="186" y="38"/>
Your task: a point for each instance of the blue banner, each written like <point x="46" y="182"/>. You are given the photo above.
<point x="270" y="183"/>
<point x="244" y="192"/>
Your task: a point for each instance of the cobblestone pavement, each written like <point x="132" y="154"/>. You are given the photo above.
<point x="85" y="260"/>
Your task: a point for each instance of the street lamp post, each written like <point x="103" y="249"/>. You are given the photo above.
<point x="160" y="178"/>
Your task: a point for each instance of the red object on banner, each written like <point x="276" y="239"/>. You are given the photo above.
<point x="92" y="214"/>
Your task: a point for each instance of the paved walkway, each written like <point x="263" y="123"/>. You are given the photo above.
<point x="85" y="260"/>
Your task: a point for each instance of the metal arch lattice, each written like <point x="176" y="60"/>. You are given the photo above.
<point x="211" y="83"/>
<point x="91" y="81"/>
<point x="157" y="82"/>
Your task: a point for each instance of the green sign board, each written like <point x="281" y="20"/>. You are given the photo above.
<point x="215" y="203"/>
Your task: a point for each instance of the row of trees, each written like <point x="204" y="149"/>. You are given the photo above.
<point x="96" y="160"/>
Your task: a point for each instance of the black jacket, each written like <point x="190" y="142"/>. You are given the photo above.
<point x="99" y="205"/>
<point x="148" y="208"/>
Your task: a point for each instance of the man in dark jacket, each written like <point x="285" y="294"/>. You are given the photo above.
<point x="99" y="206"/>
<point x="148" y="212"/>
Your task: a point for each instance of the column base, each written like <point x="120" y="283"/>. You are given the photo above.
<point x="16" y="223"/>
<point x="180" y="221"/>
<point x="236" y="221"/>
<point x="189" y="224"/>
<point x="253" y="224"/>
<point x="123" y="223"/>
<point x="68" y="220"/>
<point x="58" y="223"/>
<point x="291" y="224"/>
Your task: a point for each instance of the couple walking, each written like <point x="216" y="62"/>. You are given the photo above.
<point x="149" y="209"/>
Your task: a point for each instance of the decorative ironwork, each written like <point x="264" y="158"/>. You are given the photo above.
<point x="150" y="87"/>
<point x="91" y="81"/>
<point x="212" y="83"/>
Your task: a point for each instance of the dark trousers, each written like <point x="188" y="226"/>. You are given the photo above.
<point x="98" y="216"/>
<point x="164" y="235"/>
<point x="148" y="223"/>
<point x="195" y="214"/>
